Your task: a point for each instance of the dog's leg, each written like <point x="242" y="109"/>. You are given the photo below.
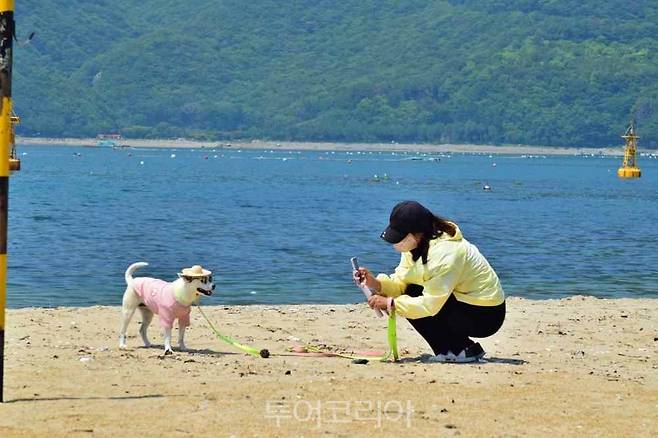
<point x="167" y="341"/>
<point x="127" y="316"/>
<point x="130" y="303"/>
<point x="181" y="338"/>
<point x="147" y="317"/>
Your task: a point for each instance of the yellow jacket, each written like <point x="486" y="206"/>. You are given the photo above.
<point x="454" y="265"/>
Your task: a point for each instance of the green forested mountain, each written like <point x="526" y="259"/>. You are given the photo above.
<point x="552" y="72"/>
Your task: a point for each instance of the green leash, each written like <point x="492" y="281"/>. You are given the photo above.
<point x="392" y="336"/>
<point x="264" y="353"/>
<point x="392" y="344"/>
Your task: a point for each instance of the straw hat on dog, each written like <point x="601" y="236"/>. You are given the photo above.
<point x="195" y="271"/>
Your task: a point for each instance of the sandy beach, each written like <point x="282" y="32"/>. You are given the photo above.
<point x="326" y="146"/>
<point x="572" y="367"/>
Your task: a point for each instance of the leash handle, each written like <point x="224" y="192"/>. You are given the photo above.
<point x="392" y="335"/>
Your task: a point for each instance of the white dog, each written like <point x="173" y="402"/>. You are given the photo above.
<point x="169" y="301"/>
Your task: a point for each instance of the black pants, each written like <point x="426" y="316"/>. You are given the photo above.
<point x="449" y="330"/>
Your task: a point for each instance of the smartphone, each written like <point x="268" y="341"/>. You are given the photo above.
<point x="355" y="263"/>
<point x="355" y="267"/>
<point x="363" y="287"/>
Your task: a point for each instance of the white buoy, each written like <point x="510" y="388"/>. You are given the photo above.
<point x="172" y="156"/>
<point x="141" y="162"/>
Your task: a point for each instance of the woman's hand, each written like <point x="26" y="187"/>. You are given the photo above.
<point x="363" y="276"/>
<point x="378" y="302"/>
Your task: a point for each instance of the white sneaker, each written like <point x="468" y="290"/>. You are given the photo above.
<point x="472" y="353"/>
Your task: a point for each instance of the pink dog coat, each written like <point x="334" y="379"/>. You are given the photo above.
<point x="158" y="295"/>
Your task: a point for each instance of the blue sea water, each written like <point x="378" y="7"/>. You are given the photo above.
<point x="280" y="226"/>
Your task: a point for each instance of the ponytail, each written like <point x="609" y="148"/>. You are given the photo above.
<point x="438" y="226"/>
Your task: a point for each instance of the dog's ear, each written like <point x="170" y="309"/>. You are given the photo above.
<point x="185" y="279"/>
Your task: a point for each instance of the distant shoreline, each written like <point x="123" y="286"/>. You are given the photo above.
<point x="327" y="146"/>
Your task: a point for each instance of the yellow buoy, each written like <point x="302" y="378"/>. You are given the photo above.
<point x="629" y="167"/>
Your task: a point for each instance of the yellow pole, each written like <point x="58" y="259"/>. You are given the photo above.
<point x="6" y="57"/>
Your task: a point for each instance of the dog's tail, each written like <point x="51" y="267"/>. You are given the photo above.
<point x="132" y="268"/>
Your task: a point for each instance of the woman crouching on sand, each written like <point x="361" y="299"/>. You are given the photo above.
<point x="443" y="285"/>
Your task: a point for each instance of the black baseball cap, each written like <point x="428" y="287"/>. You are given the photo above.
<point x="407" y="217"/>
